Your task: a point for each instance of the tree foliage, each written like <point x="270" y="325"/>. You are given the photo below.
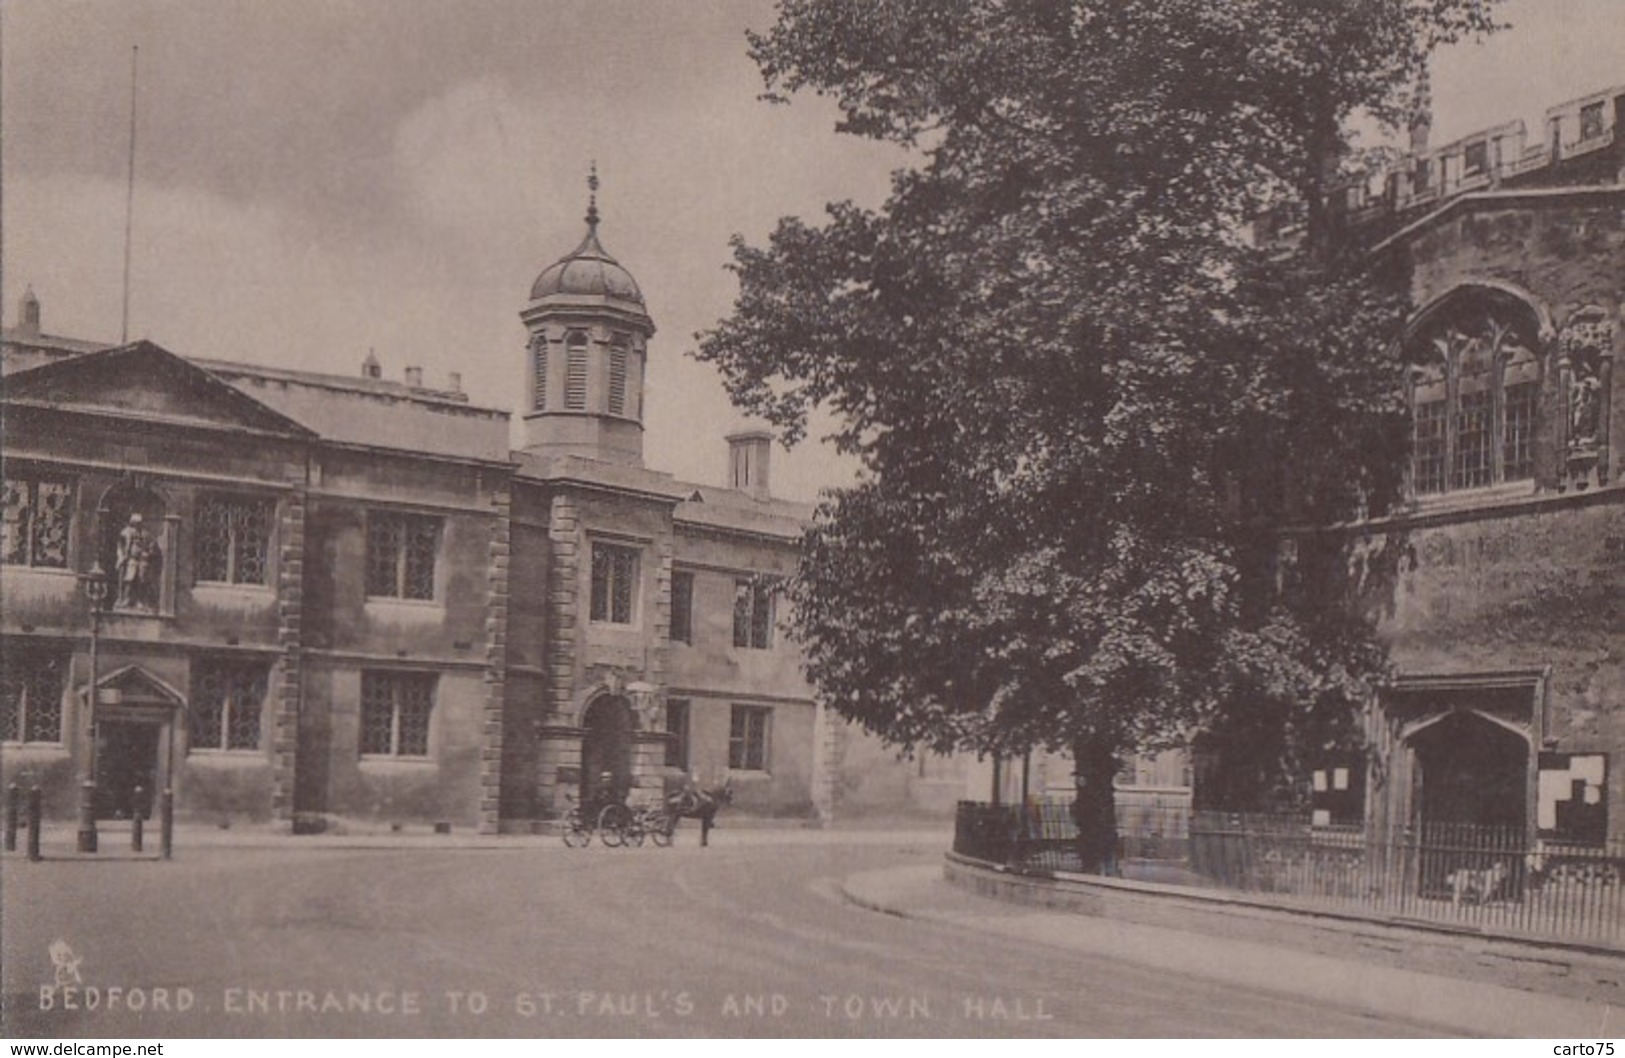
<point x="1072" y="383"/>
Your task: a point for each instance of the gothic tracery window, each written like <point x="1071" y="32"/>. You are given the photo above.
<point x="1474" y="398"/>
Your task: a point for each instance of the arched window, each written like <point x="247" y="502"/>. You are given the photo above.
<point x="1475" y="389"/>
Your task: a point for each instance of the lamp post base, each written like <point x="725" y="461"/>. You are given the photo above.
<point x="87" y="817"/>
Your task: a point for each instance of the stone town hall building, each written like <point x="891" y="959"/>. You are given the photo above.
<point x="1498" y="582"/>
<point x="345" y="598"/>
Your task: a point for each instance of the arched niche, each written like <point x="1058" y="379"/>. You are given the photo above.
<point x="135" y="540"/>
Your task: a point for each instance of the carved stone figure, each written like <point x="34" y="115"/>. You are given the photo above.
<point x="1584" y="406"/>
<point x="138" y="562"/>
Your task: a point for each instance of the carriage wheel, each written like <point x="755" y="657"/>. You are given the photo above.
<point x="613" y="823"/>
<point x="662" y="831"/>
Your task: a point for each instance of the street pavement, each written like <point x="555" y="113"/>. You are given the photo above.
<point x="1448" y="1004"/>
<point x="758" y="936"/>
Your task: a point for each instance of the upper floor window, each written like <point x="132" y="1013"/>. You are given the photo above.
<point x="401" y="554"/>
<point x="682" y="607"/>
<point x="234" y="539"/>
<point x="747" y="738"/>
<point x="614" y="583"/>
<point x="227" y="700"/>
<point x="395" y="711"/>
<point x="753" y="613"/>
<point x="35" y="529"/>
<point x="575" y="371"/>
<point x="1475" y="158"/>
<point x="1474" y="395"/>
<point x="31" y="695"/>
<point x="1591" y="121"/>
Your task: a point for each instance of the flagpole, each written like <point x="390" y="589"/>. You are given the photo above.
<point x="129" y="199"/>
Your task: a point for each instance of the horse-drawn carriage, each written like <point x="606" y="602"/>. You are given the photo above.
<point x="619" y="824"/>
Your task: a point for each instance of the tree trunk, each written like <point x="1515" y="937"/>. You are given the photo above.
<point x="1095" y="764"/>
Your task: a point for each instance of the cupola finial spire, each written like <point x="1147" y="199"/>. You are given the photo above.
<point x="592" y="196"/>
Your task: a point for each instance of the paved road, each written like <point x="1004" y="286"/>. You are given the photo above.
<point x="747" y="940"/>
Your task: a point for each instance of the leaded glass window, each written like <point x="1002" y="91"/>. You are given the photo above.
<point x="401" y="550"/>
<point x="228" y="698"/>
<point x="1473" y="412"/>
<point x="614" y="583"/>
<point x="1430" y="449"/>
<point x="395" y="712"/>
<point x="34" y="531"/>
<point x="1518" y="457"/>
<point x="31" y="696"/>
<point x="234" y="539"/>
<point x="1474" y="404"/>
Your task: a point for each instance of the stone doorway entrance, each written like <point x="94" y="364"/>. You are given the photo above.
<point x="1472" y="806"/>
<point x="606" y="750"/>
<point x="127" y="768"/>
<point x="1471" y="771"/>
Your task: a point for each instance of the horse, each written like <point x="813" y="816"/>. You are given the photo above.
<point x="694" y="802"/>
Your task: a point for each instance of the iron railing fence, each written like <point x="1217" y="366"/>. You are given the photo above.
<point x="1488" y="878"/>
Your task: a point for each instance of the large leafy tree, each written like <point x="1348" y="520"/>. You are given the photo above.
<point x="1072" y="383"/>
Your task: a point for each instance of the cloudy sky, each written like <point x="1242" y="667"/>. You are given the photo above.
<point x="315" y="178"/>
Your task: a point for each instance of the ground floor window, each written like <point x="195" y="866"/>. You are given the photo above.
<point x="395" y="711"/>
<point x="747" y="738"/>
<point x="31" y="695"/>
<point x="677" y="733"/>
<point x="228" y="697"/>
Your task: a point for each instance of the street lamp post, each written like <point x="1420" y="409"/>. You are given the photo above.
<point x="95" y="585"/>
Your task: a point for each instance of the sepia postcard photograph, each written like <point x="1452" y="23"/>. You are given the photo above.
<point x="762" y="519"/>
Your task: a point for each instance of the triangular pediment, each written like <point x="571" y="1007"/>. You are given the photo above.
<point x="134" y="687"/>
<point x="146" y="382"/>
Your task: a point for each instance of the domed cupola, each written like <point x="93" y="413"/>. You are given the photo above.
<point x="588" y="341"/>
<point x="588" y="271"/>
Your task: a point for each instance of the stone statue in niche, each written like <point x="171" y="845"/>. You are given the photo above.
<point x="1588" y="337"/>
<point x="1584" y="408"/>
<point x="137" y="566"/>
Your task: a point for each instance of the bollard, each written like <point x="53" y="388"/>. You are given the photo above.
<point x="36" y="811"/>
<point x="136" y="820"/>
<point x="166" y="823"/>
<point x="14" y="806"/>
